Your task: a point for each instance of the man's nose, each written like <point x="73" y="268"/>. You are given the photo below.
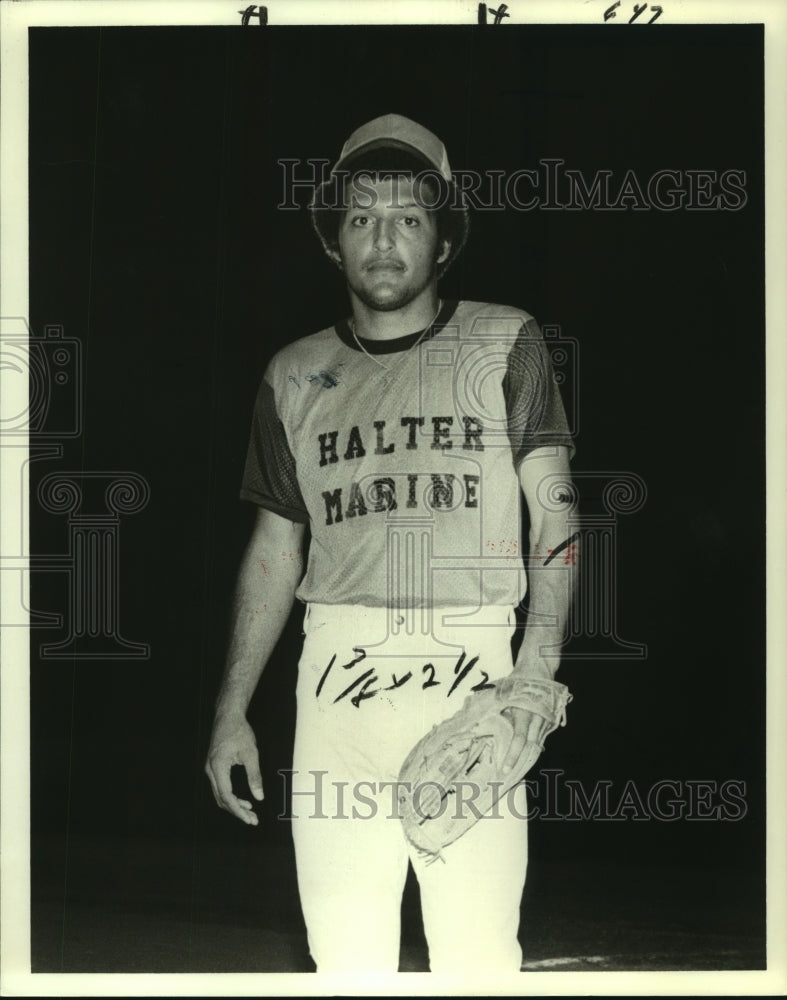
<point x="384" y="233"/>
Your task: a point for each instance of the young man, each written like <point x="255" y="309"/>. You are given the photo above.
<point x="403" y="437"/>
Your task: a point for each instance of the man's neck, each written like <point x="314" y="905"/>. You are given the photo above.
<point x="371" y="324"/>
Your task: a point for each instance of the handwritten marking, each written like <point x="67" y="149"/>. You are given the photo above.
<point x="365" y="693"/>
<point x="363" y="684"/>
<point x="355" y="683"/>
<point x="252" y="11"/>
<point x="399" y="683"/>
<point x="431" y="682"/>
<point x="500" y="13"/>
<point x="464" y="672"/>
<point x="325" y="674"/>
<point x="483" y="685"/>
<point x="638" y="9"/>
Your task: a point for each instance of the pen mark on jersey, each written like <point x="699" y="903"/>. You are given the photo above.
<point x="563" y="545"/>
<point x="326" y="379"/>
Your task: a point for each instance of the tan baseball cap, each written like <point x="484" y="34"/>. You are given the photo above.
<point x="398" y="132"/>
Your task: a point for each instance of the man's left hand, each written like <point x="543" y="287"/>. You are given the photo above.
<point x="527" y="729"/>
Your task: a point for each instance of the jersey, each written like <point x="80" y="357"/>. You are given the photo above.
<point x="402" y="456"/>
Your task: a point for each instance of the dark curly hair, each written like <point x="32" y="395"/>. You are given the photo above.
<point x="441" y="197"/>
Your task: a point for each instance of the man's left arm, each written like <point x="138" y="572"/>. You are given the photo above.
<point x="552" y="569"/>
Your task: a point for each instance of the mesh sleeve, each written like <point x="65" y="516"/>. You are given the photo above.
<point x="270" y="478"/>
<point x="535" y="413"/>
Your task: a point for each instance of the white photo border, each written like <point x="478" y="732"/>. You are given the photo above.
<point x="16" y="978"/>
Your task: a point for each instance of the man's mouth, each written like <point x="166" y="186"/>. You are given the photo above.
<point x="384" y="265"/>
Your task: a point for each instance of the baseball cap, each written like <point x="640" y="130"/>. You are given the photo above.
<point x="397" y="132"/>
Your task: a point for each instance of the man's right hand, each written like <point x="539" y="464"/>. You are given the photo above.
<point x="232" y="742"/>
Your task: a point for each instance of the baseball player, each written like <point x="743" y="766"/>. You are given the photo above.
<point x="403" y="438"/>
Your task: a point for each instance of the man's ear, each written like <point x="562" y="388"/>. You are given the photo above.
<point x="445" y="252"/>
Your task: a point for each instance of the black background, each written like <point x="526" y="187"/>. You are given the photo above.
<point x="155" y="241"/>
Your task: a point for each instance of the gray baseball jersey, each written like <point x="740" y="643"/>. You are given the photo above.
<point x="402" y="456"/>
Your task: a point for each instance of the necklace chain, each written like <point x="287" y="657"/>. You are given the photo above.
<point x="420" y="338"/>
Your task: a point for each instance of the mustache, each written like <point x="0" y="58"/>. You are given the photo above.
<point x="376" y="262"/>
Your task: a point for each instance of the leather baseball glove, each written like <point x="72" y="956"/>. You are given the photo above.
<point x="454" y="774"/>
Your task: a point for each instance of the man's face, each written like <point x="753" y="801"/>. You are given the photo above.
<point x="388" y="243"/>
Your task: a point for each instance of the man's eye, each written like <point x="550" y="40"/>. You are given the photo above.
<point x="410" y="221"/>
<point x="360" y="220"/>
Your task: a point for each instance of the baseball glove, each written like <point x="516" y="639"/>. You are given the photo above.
<point x="454" y="774"/>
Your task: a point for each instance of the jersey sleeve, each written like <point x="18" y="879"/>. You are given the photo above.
<point x="535" y="413"/>
<point x="270" y="477"/>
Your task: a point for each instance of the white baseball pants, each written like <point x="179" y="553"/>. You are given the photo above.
<point x="371" y="682"/>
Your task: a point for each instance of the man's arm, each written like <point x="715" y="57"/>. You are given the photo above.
<point x="554" y="553"/>
<point x="270" y="571"/>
